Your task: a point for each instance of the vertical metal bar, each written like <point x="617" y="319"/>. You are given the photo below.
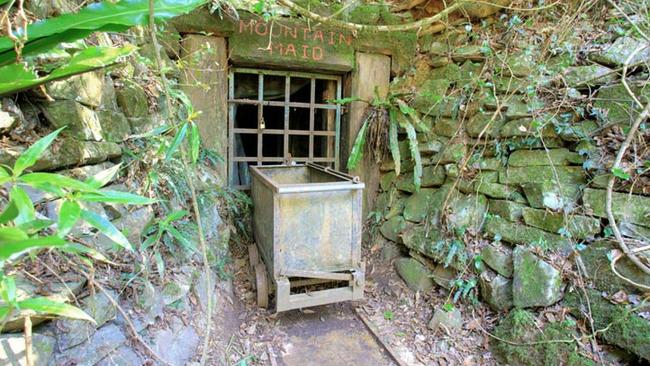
<point x="287" y="95"/>
<point x="231" y="126"/>
<point x="338" y="125"/>
<point x="312" y="101"/>
<point x="260" y="116"/>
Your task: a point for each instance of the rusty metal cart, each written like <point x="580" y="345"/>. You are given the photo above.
<point x="307" y="224"/>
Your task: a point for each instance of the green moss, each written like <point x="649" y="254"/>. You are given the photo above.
<point x="622" y="327"/>
<point x="519" y="327"/>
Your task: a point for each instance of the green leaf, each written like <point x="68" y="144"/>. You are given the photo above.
<point x="160" y="264"/>
<point x="393" y="143"/>
<point x="195" y="143"/>
<point x="11" y="249"/>
<point x="415" y="155"/>
<point x="176" y="215"/>
<point x="96" y="17"/>
<point x="3" y="173"/>
<point x="56" y="180"/>
<point x="35" y="226"/>
<point x="102" y="178"/>
<point x="2" y="2"/>
<point x="107" y="228"/>
<point x="18" y="77"/>
<point x="108" y="196"/>
<point x="31" y="155"/>
<point x="68" y="216"/>
<point x="23" y="204"/>
<point x="180" y="136"/>
<point x="10" y="213"/>
<point x="11" y="233"/>
<point x="76" y="248"/>
<point x="620" y="173"/>
<point x="182" y="240"/>
<point x="8" y="290"/>
<point x="357" y="149"/>
<point x="44" y="305"/>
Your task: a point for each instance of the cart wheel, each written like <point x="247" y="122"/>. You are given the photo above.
<point x="253" y="256"/>
<point x="262" y="286"/>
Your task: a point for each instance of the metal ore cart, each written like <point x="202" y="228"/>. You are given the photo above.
<point x="307" y="223"/>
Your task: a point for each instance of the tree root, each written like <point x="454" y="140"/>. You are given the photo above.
<point x="610" y="186"/>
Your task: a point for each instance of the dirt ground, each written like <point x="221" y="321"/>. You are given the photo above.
<point x="336" y="334"/>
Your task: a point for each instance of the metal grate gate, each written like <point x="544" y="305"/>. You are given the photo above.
<point x="277" y="115"/>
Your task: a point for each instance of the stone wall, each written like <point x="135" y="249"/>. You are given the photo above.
<point x="511" y="175"/>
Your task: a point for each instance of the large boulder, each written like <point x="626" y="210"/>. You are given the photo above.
<point x="535" y="283"/>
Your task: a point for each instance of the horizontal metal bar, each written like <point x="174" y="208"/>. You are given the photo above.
<point x="317" y="274"/>
<point x="320" y="187"/>
<point x="281" y="132"/>
<point x="273" y="103"/>
<point x="333" y="172"/>
<point x="317" y="298"/>
<point x="269" y="159"/>
<point x="307" y="75"/>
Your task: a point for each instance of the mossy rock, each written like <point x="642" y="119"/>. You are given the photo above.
<point x="391" y="229"/>
<point x="526" y="127"/>
<point x="539" y="174"/>
<point x="588" y="76"/>
<point x="620" y="51"/>
<point x="81" y="121"/>
<point x="616" y="104"/>
<point x="418" y="205"/>
<point x="521" y="64"/>
<point x="597" y="264"/>
<point x="508" y="210"/>
<point x="132" y="99"/>
<point x="416" y="276"/>
<point x="625" y="207"/>
<point x="114" y="125"/>
<point x="618" y="324"/>
<point x="554" y="157"/>
<point x="499" y="258"/>
<point x="496" y="290"/>
<point x="552" y="196"/>
<point x="447" y="127"/>
<point x="515" y="233"/>
<point x="579" y="227"/>
<point x="577" y="131"/>
<point x="483" y="123"/>
<point x="553" y="346"/>
<point x="535" y="282"/>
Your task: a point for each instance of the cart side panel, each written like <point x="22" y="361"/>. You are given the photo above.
<point x="316" y="231"/>
<point x="263" y="217"/>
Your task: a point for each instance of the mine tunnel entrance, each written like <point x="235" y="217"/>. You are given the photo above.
<point x="276" y="116"/>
